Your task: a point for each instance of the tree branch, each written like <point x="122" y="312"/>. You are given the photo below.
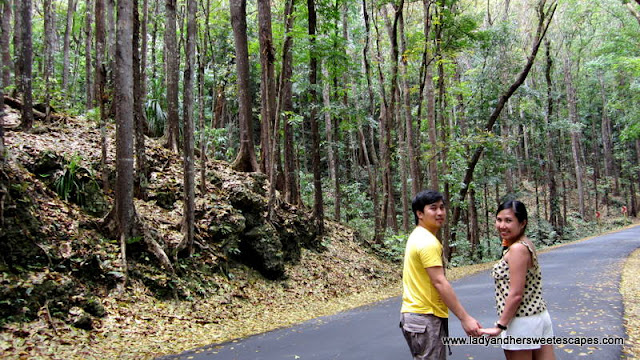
<point x="544" y="20"/>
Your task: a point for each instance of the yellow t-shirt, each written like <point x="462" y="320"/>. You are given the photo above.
<point x="419" y="295"/>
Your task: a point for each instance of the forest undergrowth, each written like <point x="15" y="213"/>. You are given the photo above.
<point x="216" y="301"/>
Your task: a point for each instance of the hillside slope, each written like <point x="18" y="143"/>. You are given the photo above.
<point x="62" y="278"/>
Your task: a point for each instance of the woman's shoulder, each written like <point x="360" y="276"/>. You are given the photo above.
<point x="521" y="248"/>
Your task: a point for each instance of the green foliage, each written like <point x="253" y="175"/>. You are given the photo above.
<point x="393" y="247"/>
<point x="156" y="115"/>
<point x="77" y="184"/>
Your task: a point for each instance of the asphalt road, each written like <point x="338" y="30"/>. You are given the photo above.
<point x="580" y="286"/>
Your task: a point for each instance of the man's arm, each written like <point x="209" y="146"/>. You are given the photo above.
<point x="440" y="282"/>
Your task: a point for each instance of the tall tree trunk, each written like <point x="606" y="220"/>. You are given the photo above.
<point x="474" y="231"/>
<point x="414" y="169"/>
<point x="607" y="143"/>
<point x="49" y="46"/>
<point x="433" y="132"/>
<point x="87" y="56"/>
<point x="5" y="39"/>
<point x="202" y="127"/>
<point x="100" y="80"/>
<point x="143" y="52"/>
<point x="140" y="182"/>
<point x="71" y="8"/>
<point x="318" y="208"/>
<point x="367" y="74"/>
<point x="572" y="103"/>
<point x="331" y="155"/>
<point x="554" y="201"/>
<point x="267" y="85"/>
<point x="172" y="61"/>
<point x="246" y="158"/>
<point x="17" y="45"/>
<point x="370" y="156"/>
<point x="189" y="168"/>
<point x="292" y="189"/>
<point x="125" y="209"/>
<point x="27" y="64"/>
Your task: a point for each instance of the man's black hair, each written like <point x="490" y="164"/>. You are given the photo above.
<point x="424" y="198"/>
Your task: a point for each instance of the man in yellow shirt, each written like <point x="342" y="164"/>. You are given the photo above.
<point x="427" y="294"/>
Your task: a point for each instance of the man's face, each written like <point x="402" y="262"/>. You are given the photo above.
<point x="433" y="216"/>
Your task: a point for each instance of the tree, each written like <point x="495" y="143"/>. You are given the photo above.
<point x="189" y="168"/>
<point x="49" y="46"/>
<point x="172" y="57"/>
<point x="140" y="119"/>
<point x="318" y="207"/>
<point x="246" y="158"/>
<point x="285" y="107"/>
<point x="100" y="84"/>
<point x="87" y="57"/>
<point x="125" y="209"/>
<point x="575" y="131"/>
<point x="17" y="45"/>
<point x="267" y="85"/>
<point x="5" y="32"/>
<point x="26" y="61"/>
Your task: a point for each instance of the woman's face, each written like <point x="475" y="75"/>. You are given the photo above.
<point x="508" y="225"/>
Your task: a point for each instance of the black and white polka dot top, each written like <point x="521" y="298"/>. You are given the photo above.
<point x="532" y="301"/>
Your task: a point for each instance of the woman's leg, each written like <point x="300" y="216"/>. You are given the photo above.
<point x="518" y="354"/>
<point x="544" y="353"/>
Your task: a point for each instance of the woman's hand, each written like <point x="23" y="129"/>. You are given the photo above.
<point x="494" y="331"/>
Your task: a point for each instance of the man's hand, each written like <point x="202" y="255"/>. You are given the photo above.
<point x="471" y="326"/>
<point x="491" y="331"/>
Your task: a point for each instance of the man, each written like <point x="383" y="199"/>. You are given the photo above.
<point x="427" y="295"/>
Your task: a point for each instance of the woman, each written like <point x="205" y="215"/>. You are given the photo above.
<point x="521" y="309"/>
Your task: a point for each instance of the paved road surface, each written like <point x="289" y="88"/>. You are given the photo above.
<point x="580" y="286"/>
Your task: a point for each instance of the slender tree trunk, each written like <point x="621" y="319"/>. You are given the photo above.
<point x="154" y="37"/>
<point x="414" y="169"/>
<point x="27" y="63"/>
<point x="267" y="85"/>
<point x="572" y="102"/>
<point x="49" y="46"/>
<point x="433" y="137"/>
<point x="326" y="97"/>
<point x="554" y="201"/>
<point x="370" y="156"/>
<point x="246" y="159"/>
<point x="367" y="74"/>
<point x="607" y="143"/>
<point x="140" y="182"/>
<point x="71" y="8"/>
<point x="172" y="61"/>
<point x="143" y="54"/>
<point x="292" y="189"/>
<point x="87" y="56"/>
<point x="189" y="168"/>
<point x="318" y="209"/>
<point x="100" y="80"/>
<point x="125" y="209"/>
<point x="474" y="235"/>
<point x="201" y="126"/>
<point x="17" y="46"/>
<point x="5" y="38"/>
